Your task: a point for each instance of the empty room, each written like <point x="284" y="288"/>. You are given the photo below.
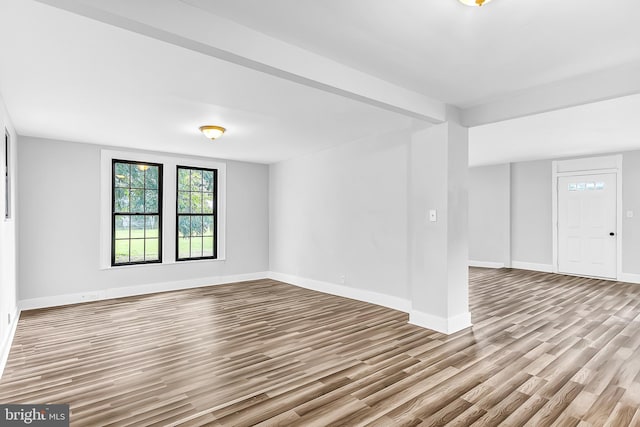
<point x="319" y="213"/>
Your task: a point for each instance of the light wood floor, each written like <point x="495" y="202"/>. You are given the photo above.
<point x="544" y="350"/>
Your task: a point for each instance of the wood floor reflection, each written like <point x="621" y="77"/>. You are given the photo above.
<point x="544" y="350"/>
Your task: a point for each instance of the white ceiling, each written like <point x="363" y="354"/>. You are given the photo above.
<point x="67" y="76"/>
<point x="460" y="55"/>
<point x="601" y="127"/>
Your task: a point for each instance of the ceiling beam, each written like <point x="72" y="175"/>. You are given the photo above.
<point x="180" y="24"/>
<point x="599" y="86"/>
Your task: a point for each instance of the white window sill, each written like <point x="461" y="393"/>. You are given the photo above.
<point x="158" y="264"/>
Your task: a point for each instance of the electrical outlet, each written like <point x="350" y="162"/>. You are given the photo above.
<point x="342" y="279"/>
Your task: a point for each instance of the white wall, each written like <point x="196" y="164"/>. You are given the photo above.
<point x="59" y="186"/>
<point x="490" y="215"/>
<point x="531" y="215"/>
<point x="631" y="202"/>
<point x="439" y="275"/>
<point x="510" y="215"/>
<point x="342" y="214"/>
<point x="8" y="303"/>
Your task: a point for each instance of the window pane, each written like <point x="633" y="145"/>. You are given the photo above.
<point x="122" y="175"/>
<point x="137" y="190"/>
<point x="207" y="246"/>
<point x="207" y="203"/>
<point x="184" y="247"/>
<point x="196" y="247"/>
<point x="184" y="202"/>
<point x="196" y="197"/>
<point x="151" y="178"/>
<point x="184" y="180"/>
<point x="151" y="201"/>
<point x="122" y="199"/>
<point x="196" y="180"/>
<point x="137" y="227"/>
<point x="137" y="250"/>
<point x="122" y="251"/>
<point x="122" y="227"/>
<point x="207" y="226"/>
<point x="151" y="250"/>
<point x="196" y="226"/>
<point x="207" y="181"/>
<point x="184" y="226"/>
<point x="152" y="228"/>
<point x="196" y="202"/>
<point x="137" y="201"/>
<point x="137" y="175"/>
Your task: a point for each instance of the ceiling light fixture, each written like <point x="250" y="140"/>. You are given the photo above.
<point x="212" y="132"/>
<point x="475" y="3"/>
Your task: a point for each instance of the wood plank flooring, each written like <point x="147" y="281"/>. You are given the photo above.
<point x="544" y="350"/>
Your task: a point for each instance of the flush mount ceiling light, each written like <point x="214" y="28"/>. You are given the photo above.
<point x="212" y="132"/>
<point x="476" y="3"/>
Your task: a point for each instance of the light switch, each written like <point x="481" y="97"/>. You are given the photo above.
<point x="433" y="215"/>
<point x="629" y="214"/>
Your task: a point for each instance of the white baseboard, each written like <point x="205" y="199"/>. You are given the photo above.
<point x="486" y="264"/>
<point x="372" y="297"/>
<point x="440" y="324"/>
<point x="629" y="278"/>
<point x="110" y="293"/>
<point x="5" y="347"/>
<point x="546" y="268"/>
<point x="418" y="318"/>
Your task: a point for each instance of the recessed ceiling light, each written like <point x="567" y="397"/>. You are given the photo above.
<point x="212" y="132"/>
<point x="475" y="3"/>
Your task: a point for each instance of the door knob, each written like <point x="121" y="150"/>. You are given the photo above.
<point x="612" y="234"/>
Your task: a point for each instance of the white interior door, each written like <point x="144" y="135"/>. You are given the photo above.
<point x="587" y="239"/>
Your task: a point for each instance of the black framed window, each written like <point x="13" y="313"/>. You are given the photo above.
<point x="137" y="213"/>
<point x="7" y="177"/>
<point x="196" y="213"/>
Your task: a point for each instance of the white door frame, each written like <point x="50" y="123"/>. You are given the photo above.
<point x="588" y="166"/>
